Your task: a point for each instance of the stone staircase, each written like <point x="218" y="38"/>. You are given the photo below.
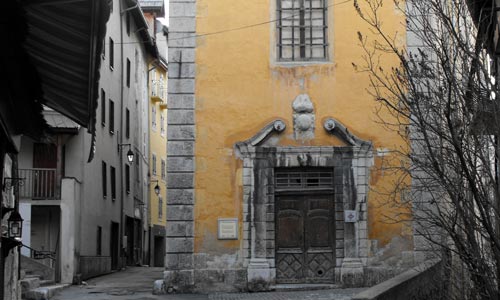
<point x="38" y="282"/>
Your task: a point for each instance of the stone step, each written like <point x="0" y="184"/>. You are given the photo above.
<point x="29" y="283"/>
<point x="46" y="282"/>
<point x="44" y="293"/>
<point x="304" y="287"/>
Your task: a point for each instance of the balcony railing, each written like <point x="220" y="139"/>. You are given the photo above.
<point x="39" y="184"/>
<point x="158" y="90"/>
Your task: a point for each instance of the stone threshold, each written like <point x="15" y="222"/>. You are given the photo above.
<point x="304" y="287"/>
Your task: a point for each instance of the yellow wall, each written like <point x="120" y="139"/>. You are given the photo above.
<point x="240" y="88"/>
<point x="158" y="146"/>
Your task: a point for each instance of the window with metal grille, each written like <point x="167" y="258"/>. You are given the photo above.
<point x="103" y="107"/>
<point x="153" y="164"/>
<point x="163" y="169"/>
<point x="112" y="172"/>
<point x="160" y="207"/>
<point x="127" y="123"/>
<point x="302" y="30"/>
<point x="127" y="178"/>
<point x="104" y="180"/>
<point x="111" y="53"/>
<point x="111" y="107"/>
<point x="303" y="179"/>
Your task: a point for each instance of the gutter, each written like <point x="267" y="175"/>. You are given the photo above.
<point x="140" y="21"/>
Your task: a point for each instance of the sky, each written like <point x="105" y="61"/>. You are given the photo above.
<point x="165" y="20"/>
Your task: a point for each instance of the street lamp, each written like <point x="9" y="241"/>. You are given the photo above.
<point x="15" y="225"/>
<point x="130" y="154"/>
<point x="157" y="187"/>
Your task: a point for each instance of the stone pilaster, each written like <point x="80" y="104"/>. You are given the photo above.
<point x="179" y="260"/>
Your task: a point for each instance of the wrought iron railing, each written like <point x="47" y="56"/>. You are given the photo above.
<point x="39" y="184"/>
<point x="40" y="254"/>
<point x="158" y="89"/>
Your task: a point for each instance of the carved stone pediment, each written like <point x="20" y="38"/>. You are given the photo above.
<point x="338" y="129"/>
<point x="275" y="127"/>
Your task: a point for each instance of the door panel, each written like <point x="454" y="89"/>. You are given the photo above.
<point x="305" y="240"/>
<point x="319" y="239"/>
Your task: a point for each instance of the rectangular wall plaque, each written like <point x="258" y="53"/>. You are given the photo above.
<point x="227" y="229"/>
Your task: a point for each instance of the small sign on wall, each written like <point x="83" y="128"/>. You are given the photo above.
<point x="350" y="216"/>
<point x="227" y="229"/>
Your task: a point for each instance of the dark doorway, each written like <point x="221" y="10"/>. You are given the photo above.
<point x="114" y="245"/>
<point x="305" y="227"/>
<point x="45" y="235"/>
<point x="159" y="251"/>
<point x="129" y="232"/>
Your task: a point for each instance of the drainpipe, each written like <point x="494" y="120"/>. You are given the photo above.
<point x="119" y="137"/>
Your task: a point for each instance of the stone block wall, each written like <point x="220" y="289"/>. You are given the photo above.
<point x="91" y="266"/>
<point x="179" y="259"/>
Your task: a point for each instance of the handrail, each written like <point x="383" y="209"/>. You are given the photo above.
<point x="40" y="254"/>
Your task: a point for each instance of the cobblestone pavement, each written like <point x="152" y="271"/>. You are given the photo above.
<point x="136" y="283"/>
<point x="335" y="294"/>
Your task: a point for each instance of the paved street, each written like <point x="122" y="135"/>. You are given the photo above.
<point x="136" y="283"/>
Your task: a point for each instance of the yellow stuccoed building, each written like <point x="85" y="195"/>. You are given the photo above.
<point x="273" y="148"/>
<point x="157" y="173"/>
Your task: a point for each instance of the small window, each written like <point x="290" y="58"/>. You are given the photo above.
<point x="63" y="161"/>
<point x="111" y="53"/>
<point x="103" y="107"/>
<point x="128" y="71"/>
<point x="153" y="164"/>
<point x="163" y="169"/>
<point x="160" y="207"/>
<point x="127" y="123"/>
<point x="153" y="117"/>
<point x="111" y="116"/>
<point x="161" y="88"/>
<point x="127" y="23"/>
<point x="99" y="241"/>
<point x="103" y="53"/>
<point x="313" y="178"/>
<point x="104" y="181"/>
<point x="301" y="30"/>
<point x="113" y="183"/>
<point x="127" y="178"/>
<point x="162" y="124"/>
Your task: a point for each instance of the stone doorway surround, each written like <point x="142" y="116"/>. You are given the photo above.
<point x="351" y="164"/>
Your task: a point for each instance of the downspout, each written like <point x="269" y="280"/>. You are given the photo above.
<point x="119" y="138"/>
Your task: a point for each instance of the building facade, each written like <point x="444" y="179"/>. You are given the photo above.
<point x="274" y="152"/>
<point x="158" y="161"/>
<point x="89" y="214"/>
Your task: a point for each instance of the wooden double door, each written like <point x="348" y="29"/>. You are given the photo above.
<point x="305" y="238"/>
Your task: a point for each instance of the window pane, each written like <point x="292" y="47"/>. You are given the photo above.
<point x="301" y="29"/>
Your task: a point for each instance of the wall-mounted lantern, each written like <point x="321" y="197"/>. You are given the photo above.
<point x="157" y="187"/>
<point x="130" y="154"/>
<point x="15" y="226"/>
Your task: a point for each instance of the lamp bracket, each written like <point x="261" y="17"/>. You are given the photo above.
<point x="9" y="244"/>
<point x="9" y="182"/>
